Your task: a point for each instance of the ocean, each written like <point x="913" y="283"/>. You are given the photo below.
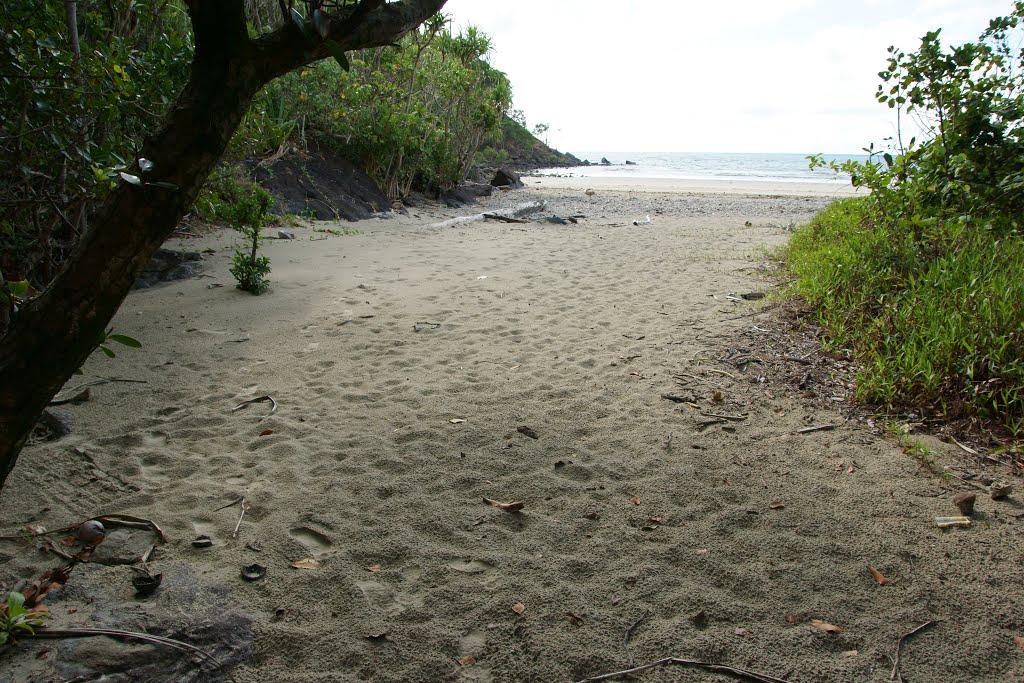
<point x="705" y="166"/>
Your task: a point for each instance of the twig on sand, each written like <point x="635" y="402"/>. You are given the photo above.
<point x="133" y="522"/>
<point x="896" y="676"/>
<point x="629" y="634"/>
<point x="747" y="315"/>
<point x="258" y="399"/>
<point x="245" y="507"/>
<point x="129" y="635"/>
<point x="701" y="426"/>
<point x="797" y="359"/>
<point x="721" y="372"/>
<point x="706" y="666"/>
<point x="815" y="428"/>
<point x="232" y="504"/>
<point x="730" y="418"/>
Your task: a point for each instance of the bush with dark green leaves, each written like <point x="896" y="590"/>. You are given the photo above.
<point x="922" y="277"/>
<point x="248" y="216"/>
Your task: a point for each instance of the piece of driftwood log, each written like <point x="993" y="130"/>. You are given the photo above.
<point x="519" y="211"/>
<point x="503" y="219"/>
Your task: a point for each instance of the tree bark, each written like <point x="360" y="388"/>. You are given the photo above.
<point x="53" y="334"/>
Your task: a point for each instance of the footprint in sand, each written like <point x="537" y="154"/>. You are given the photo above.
<point x="313" y="540"/>
<point x="471" y="566"/>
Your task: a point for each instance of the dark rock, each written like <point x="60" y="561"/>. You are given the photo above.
<point x="327" y="189"/>
<point x="605" y="162"/>
<point x="465" y="194"/>
<point x="630" y="163"/>
<point x="505" y="177"/>
<point x="168" y="265"/>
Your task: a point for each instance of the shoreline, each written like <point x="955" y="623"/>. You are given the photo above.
<point x="708" y="186"/>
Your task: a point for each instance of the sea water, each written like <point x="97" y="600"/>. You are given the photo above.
<point x="707" y="166"/>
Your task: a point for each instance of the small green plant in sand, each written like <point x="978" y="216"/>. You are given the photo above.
<point x="248" y="216"/>
<point x="16" y="620"/>
<point x="913" y="447"/>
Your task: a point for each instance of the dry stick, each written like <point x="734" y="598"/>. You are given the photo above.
<point x="129" y="635"/>
<point x="233" y="503"/>
<point x="730" y="418"/>
<point x="797" y="359"/>
<point x="896" y="676"/>
<point x="240" y="517"/>
<point x="816" y="428"/>
<point x="133" y="522"/>
<point x="707" y="666"/>
<point x="629" y="634"/>
<point x="748" y="315"/>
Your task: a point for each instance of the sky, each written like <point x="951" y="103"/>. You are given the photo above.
<point x="710" y="75"/>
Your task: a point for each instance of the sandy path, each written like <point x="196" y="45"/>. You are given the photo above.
<point x="387" y="438"/>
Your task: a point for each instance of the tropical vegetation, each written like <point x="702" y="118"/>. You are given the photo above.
<point x="921" y="278"/>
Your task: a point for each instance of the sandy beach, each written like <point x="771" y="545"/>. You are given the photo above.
<point x="610" y="377"/>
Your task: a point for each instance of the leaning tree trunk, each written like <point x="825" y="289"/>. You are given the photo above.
<point x="53" y="334"/>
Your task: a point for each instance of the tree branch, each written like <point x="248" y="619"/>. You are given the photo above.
<point x="371" y="23"/>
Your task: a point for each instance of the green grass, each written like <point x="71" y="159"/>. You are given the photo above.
<point x="934" y="312"/>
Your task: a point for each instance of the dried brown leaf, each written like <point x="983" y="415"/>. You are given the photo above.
<point x="702" y="551"/>
<point x="374" y="567"/>
<point x="878" y="576"/>
<point x="519" y="608"/>
<point x="1019" y="641"/>
<point x="507" y="507"/>
<point x="634" y="501"/>
<point x="850" y="653"/>
<point x="825" y="626"/>
<point x="794" y="619"/>
<point x="468" y="660"/>
<point x="776" y="505"/>
<point x="744" y="632"/>
<point x="457" y="421"/>
<point x="308" y="563"/>
<point x="266" y="432"/>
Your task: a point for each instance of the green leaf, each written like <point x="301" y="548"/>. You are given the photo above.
<point x="336" y="51"/>
<point x="15" y="604"/>
<point x="163" y="184"/>
<point x="125" y="340"/>
<point x="18" y="287"/>
<point x="129" y="178"/>
<point x="108" y="352"/>
<point x="145" y="165"/>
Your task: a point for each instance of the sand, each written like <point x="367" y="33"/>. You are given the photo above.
<point x="406" y="361"/>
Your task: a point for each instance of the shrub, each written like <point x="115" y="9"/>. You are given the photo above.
<point x="921" y="277"/>
<point x="248" y="216"/>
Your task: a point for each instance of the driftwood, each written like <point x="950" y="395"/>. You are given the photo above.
<point x="516" y="212"/>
